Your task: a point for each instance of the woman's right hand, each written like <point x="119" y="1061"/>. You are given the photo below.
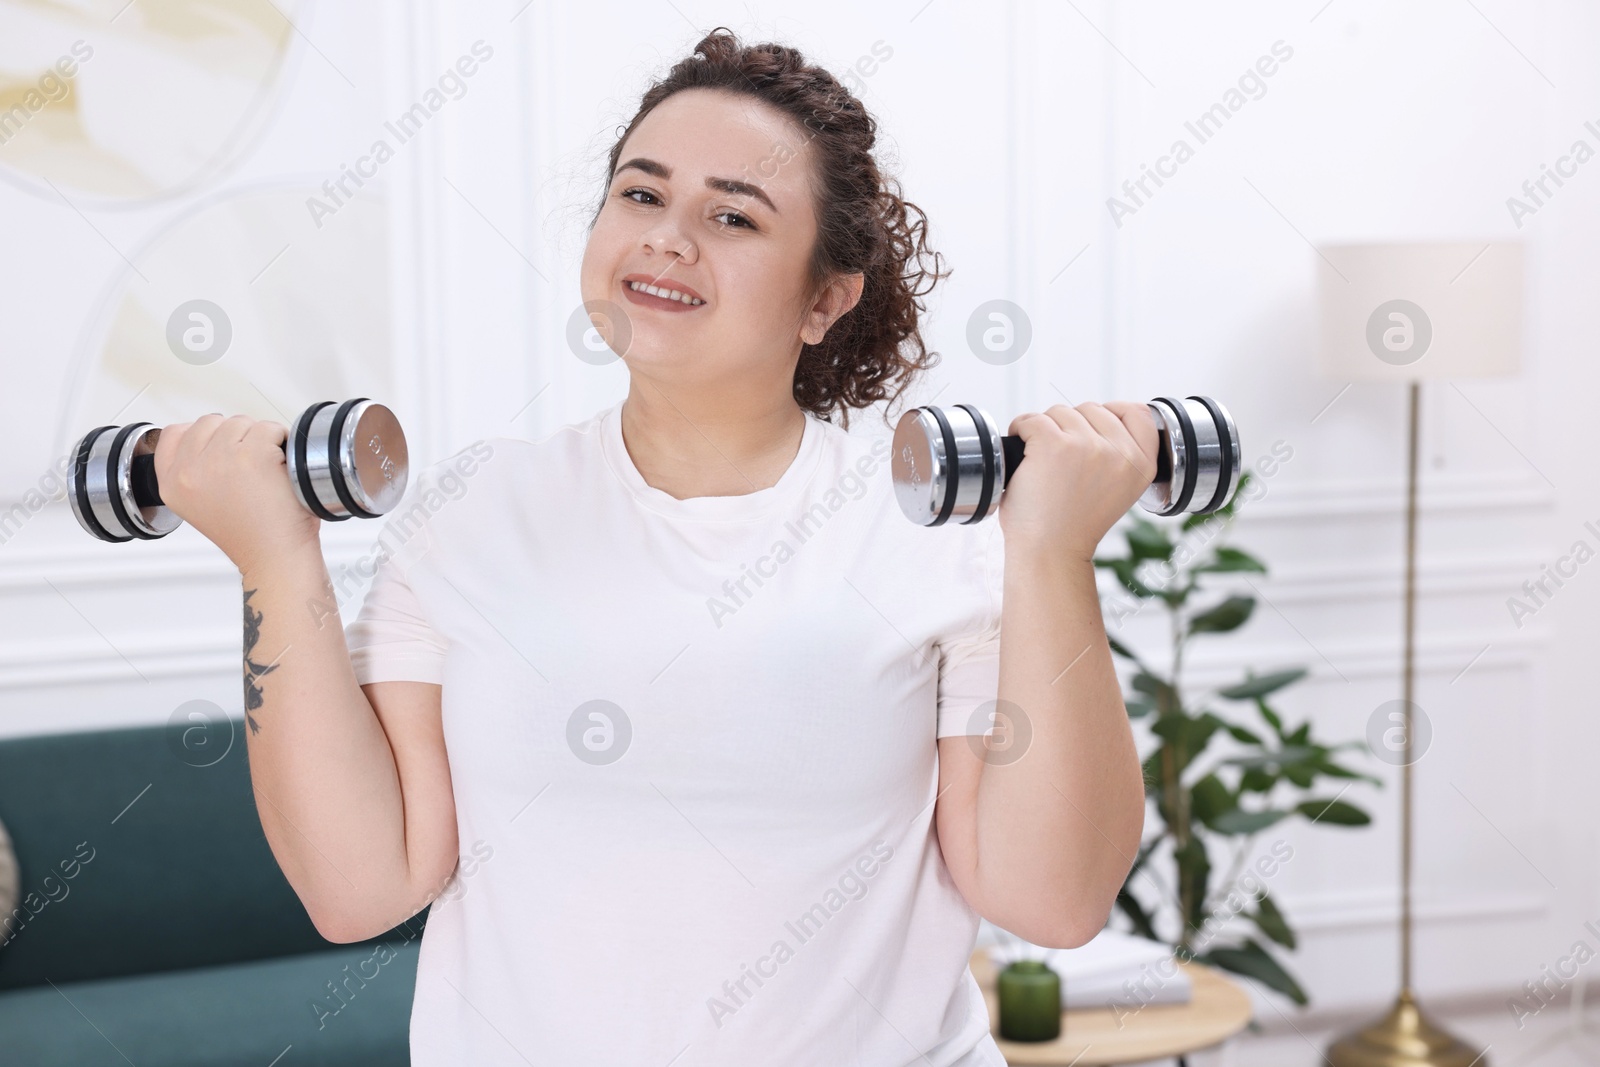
<point x="229" y="479"/>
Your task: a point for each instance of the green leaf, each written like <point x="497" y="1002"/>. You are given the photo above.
<point x="1209" y="798"/>
<point x="1256" y="780"/>
<point x="1247" y="822"/>
<point x="1241" y="734"/>
<point x="1188" y="736"/>
<point x="1336" y="812"/>
<point x="1121" y="649"/>
<point x="1271" y="716"/>
<point x="1334" y="770"/>
<point x="1164" y="694"/>
<point x="1231" y="559"/>
<point x="1273" y="759"/>
<point x="1301" y="774"/>
<point x="1271" y="922"/>
<point x="1138" y="707"/>
<point x="1253" y="961"/>
<point x="1142" y="924"/>
<point x="1124" y="570"/>
<point x="1229" y="615"/>
<point x="1255" y="686"/>
<point x="1146" y="540"/>
<point x="1194" y="874"/>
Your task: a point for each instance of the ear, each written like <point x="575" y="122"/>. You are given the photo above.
<point x="838" y="297"/>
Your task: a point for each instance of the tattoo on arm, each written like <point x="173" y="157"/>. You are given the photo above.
<point x="252" y="670"/>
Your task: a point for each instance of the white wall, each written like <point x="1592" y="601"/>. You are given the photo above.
<point x="1010" y="125"/>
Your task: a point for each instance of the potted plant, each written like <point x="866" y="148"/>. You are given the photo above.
<point x="1208" y="804"/>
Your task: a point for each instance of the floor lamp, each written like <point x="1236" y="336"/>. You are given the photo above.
<point x="1413" y="313"/>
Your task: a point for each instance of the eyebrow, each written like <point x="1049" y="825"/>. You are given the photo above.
<point x="726" y="185"/>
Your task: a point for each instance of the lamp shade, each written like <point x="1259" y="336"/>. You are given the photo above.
<point x="1419" y="311"/>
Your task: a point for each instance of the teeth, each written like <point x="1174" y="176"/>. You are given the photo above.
<point x="665" y="294"/>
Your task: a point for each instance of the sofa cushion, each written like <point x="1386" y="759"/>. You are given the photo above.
<point x="348" y="1006"/>
<point x="141" y="851"/>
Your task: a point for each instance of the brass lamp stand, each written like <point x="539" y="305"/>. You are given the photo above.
<point x="1405" y="1037"/>
<point x="1413" y="312"/>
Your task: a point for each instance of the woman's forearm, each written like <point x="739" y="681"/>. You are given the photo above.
<point x="1057" y="829"/>
<point x="324" y="776"/>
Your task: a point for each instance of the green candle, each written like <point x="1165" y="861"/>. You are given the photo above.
<point x="1030" y="1002"/>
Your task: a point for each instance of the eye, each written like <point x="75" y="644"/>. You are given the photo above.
<point x="636" y="189"/>
<point x="741" y="220"/>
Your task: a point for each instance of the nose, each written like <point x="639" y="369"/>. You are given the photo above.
<point x="666" y="236"/>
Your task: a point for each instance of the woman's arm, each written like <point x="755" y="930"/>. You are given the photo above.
<point x="352" y="784"/>
<point x="1040" y="843"/>
<point x="1040" y="846"/>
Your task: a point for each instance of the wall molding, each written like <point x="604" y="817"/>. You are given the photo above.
<point x="195" y="652"/>
<point x="1364" y="909"/>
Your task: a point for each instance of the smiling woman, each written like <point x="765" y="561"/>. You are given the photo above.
<point x="747" y="179"/>
<point x="687" y="785"/>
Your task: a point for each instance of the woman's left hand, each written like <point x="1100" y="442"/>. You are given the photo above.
<point x="1085" y="467"/>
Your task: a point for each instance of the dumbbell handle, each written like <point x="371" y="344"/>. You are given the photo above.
<point x="142" y="479"/>
<point x="1012" y="451"/>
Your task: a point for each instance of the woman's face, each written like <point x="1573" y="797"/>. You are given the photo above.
<point x="711" y="198"/>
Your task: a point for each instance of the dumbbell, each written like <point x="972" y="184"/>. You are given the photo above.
<point x="952" y="463"/>
<point x="346" y="460"/>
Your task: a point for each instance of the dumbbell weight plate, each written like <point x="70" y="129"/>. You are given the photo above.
<point x="931" y="487"/>
<point x="347" y="460"/>
<point x="1199" y="442"/>
<point x="101" y="485"/>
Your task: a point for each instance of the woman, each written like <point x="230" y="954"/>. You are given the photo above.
<point x="700" y="712"/>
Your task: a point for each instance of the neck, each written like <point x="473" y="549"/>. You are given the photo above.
<point x="689" y="446"/>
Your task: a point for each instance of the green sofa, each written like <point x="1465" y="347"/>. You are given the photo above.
<point x="155" y="928"/>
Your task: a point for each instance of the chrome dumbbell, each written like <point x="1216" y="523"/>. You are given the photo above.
<point x="952" y="463"/>
<point x="345" y="460"/>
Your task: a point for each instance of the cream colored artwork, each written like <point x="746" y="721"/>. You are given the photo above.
<point x="133" y="101"/>
<point x="236" y="298"/>
<point x="242" y="306"/>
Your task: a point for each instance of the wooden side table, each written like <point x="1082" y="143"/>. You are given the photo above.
<point x="1217" y="1010"/>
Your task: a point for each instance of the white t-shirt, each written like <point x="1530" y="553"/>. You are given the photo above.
<point x="692" y="745"/>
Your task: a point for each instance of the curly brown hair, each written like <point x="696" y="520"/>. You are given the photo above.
<point x="875" y="350"/>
